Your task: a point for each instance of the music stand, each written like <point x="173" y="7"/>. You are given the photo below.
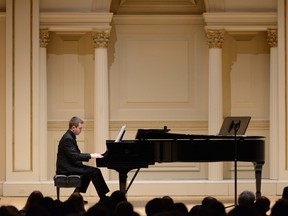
<point x="232" y="124"/>
<point x="235" y="126"/>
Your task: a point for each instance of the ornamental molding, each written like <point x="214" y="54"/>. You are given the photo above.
<point x="43" y="38"/>
<point x="157" y="7"/>
<point x="241" y="21"/>
<point x="75" y="21"/>
<point x="215" y="38"/>
<point x="101" y="38"/>
<point x="157" y="2"/>
<point x="158" y="19"/>
<point x="272" y="37"/>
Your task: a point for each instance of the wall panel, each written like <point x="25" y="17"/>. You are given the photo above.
<point x="159" y="73"/>
<point x="69" y="69"/>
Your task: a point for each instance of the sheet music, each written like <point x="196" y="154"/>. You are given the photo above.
<point x="121" y="133"/>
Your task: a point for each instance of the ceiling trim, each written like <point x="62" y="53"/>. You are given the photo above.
<point x="159" y="7"/>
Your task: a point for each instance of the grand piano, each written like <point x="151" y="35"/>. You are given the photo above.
<point x="160" y="146"/>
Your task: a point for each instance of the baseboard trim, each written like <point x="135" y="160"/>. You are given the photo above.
<point x="152" y="188"/>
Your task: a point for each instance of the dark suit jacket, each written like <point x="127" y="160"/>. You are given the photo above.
<point x="69" y="157"/>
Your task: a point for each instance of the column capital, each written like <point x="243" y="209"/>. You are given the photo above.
<point x="215" y="38"/>
<point x="272" y="37"/>
<point x="44" y="37"/>
<point x="101" y="38"/>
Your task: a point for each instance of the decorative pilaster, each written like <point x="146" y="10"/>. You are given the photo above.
<point x="22" y="92"/>
<point x="215" y="110"/>
<point x="43" y="147"/>
<point x="272" y="39"/>
<point x="101" y="91"/>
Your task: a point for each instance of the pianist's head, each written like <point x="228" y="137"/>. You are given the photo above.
<point x="76" y="125"/>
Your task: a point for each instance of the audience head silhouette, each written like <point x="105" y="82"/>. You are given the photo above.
<point x="280" y="208"/>
<point x="246" y="198"/>
<point x="33" y="200"/>
<point x="262" y="205"/>
<point x="154" y="206"/>
<point x="118" y="205"/>
<point x="285" y="193"/>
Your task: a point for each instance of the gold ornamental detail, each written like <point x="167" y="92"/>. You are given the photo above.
<point x="101" y="38"/>
<point x="215" y="38"/>
<point x="43" y="37"/>
<point x="272" y="37"/>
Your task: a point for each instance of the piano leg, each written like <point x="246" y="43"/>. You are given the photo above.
<point x="258" y="176"/>
<point x="123" y="174"/>
<point x="123" y="180"/>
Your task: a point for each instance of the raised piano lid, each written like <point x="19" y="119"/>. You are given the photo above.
<point x="148" y="134"/>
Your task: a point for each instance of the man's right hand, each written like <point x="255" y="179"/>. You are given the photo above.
<point x="96" y="155"/>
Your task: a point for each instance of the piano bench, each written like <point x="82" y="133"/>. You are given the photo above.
<point x="64" y="181"/>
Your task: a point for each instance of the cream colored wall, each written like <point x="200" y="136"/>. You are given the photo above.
<point x="155" y="75"/>
<point x="246" y="62"/>
<point x="70" y="78"/>
<point x="159" y="72"/>
<point x="146" y="90"/>
<point x="158" y="76"/>
<point x="246" y="88"/>
<point x="143" y="70"/>
<point x="2" y="98"/>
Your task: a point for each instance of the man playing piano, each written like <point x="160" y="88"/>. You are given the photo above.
<point x="69" y="160"/>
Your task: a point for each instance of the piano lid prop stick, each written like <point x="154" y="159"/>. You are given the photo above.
<point x="132" y="180"/>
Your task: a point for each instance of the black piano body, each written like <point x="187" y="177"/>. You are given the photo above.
<point x="135" y="154"/>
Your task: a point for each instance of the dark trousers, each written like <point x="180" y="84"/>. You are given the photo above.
<point x="93" y="174"/>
